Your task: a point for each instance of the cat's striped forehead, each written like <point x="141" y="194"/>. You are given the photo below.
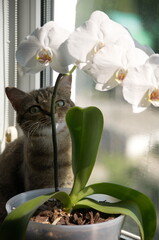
<point x="42" y="95"/>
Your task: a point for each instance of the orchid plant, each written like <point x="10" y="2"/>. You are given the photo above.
<point x="105" y="50"/>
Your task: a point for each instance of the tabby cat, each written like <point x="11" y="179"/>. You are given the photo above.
<point x="27" y="163"/>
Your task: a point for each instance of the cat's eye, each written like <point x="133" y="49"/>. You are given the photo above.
<point x="60" y="103"/>
<point x="34" y="109"/>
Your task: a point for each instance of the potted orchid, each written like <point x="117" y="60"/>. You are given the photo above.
<point x="105" y="50"/>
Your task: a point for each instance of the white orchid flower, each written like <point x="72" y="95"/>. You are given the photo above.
<point x="141" y="85"/>
<point x="92" y="37"/>
<point x="104" y="49"/>
<point x="110" y="66"/>
<point x="40" y="49"/>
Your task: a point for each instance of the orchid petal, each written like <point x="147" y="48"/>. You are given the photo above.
<point x="106" y="64"/>
<point x="108" y="30"/>
<point x="41" y="33"/>
<point x="101" y="74"/>
<point x="32" y="66"/>
<point x="99" y="17"/>
<point x="57" y="65"/>
<point x="111" y="31"/>
<point x="149" y="51"/>
<point x="50" y="35"/>
<point x="110" y="84"/>
<point x="143" y="104"/>
<point x="27" y="50"/>
<point x="119" y="35"/>
<point x="80" y="43"/>
<point x="134" y="94"/>
<point x="155" y="103"/>
<point x="32" y="70"/>
<point x="156" y="74"/>
<point x="136" y="84"/>
<point x="137" y="109"/>
<point x="57" y="35"/>
<point x="126" y="42"/>
<point x="136" y="57"/>
<point x="104" y="77"/>
<point x="103" y="69"/>
<point x="153" y="60"/>
<point x="110" y="55"/>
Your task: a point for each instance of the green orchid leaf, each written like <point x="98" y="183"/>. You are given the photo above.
<point x="141" y="208"/>
<point x="85" y="126"/>
<point x="16" y="222"/>
<point x="127" y="208"/>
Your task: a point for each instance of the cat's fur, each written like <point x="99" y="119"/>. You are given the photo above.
<point x="27" y="163"/>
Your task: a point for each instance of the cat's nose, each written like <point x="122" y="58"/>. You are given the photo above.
<point x="46" y="106"/>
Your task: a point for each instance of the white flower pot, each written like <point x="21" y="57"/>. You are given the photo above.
<point x="103" y="231"/>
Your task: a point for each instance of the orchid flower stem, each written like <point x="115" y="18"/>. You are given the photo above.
<point x="53" y="123"/>
<point x="54" y="138"/>
<point x="72" y="70"/>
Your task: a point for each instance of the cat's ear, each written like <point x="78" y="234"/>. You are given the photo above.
<point x="65" y="84"/>
<point x="67" y="81"/>
<point x="15" y="96"/>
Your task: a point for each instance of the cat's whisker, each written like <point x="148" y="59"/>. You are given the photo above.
<point x="45" y="121"/>
<point x="26" y="126"/>
<point x="29" y="127"/>
<point x="34" y="128"/>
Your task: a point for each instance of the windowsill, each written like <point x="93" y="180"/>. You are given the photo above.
<point x="128" y="236"/>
